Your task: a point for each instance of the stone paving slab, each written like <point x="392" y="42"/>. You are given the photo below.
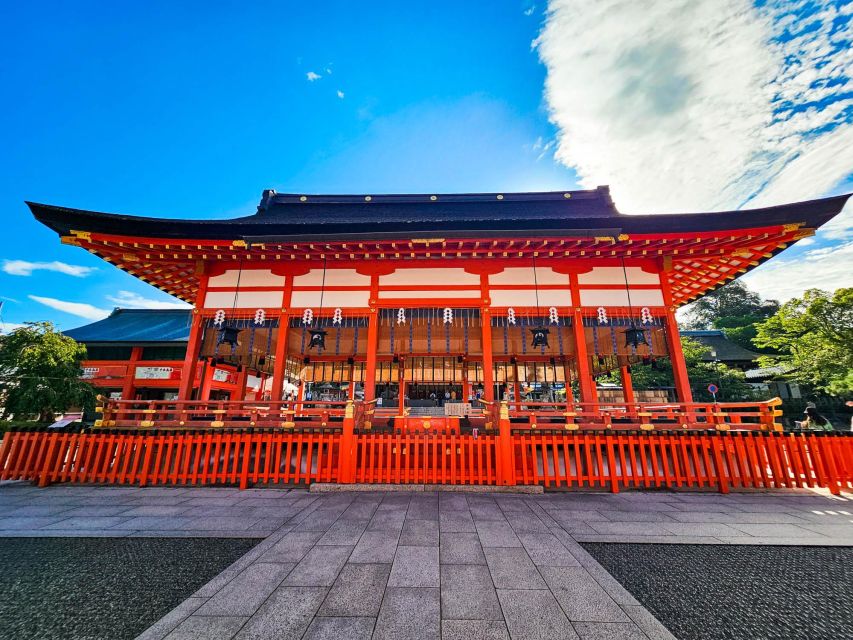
<point x="421" y="564"/>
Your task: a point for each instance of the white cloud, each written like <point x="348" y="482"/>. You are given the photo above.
<point x="694" y="105"/>
<point x="80" y="309"/>
<point x="340" y="94"/>
<point x="312" y="76"/>
<point x="9" y="327"/>
<point x="824" y="268"/>
<point x="25" y="268"/>
<point x="529" y="10"/>
<point x="130" y="300"/>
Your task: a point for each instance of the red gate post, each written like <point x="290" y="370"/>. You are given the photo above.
<point x="345" y="454"/>
<point x="506" y="475"/>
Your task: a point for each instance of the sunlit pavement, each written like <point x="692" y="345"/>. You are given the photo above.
<point x="420" y="565"/>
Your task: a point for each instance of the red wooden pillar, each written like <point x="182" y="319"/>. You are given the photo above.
<point x="488" y="363"/>
<point x="486" y="328"/>
<point x="129" y="388"/>
<point x="185" y="389"/>
<point x="627" y="384"/>
<point x="676" y="356"/>
<point x="516" y="387"/>
<point x="242" y="379"/>
<point x="585" y="379"/>
<point x="673" y="345"/>
<point x="280" y="361"/>
<point x="206" y="383"/>
<point x="401" y="387"/>
<point x="370" y="364"/>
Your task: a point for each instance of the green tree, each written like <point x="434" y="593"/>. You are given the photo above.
<point x="40" y="373"/>
<point x="734" y="309"/>
<point x="731" y="382"/>
<point x="813" y="336"/>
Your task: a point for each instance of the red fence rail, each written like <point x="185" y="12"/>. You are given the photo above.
<point x="556" y="459"/>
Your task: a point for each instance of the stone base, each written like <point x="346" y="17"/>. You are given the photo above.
<point x="333" y="487"/>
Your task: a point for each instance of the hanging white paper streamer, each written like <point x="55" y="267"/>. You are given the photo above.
<point x="553" y="316"/>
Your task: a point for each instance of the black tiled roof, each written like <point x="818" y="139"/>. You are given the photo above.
<point x="294" y="216"/>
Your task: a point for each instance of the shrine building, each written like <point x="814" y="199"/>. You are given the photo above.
<point x="424" y="340"/>
<point x="415" y="301"/>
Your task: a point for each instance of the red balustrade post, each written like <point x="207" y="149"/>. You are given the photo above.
<point x="506" y="474"/>
<point x="346" y="457"/>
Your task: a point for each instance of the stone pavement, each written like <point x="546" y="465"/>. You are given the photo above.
<point x="421" y="565"/>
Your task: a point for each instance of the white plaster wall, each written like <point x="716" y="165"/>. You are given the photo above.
<point x="429" y="276"/>
<point x="619" y="298"/>
<point x="438" y="295"/>
<point x="331" y="299"/>
<point x="334" y="278"/>
<point x="248" y="278"/>
<point x="524" y="275"/>
<point x="527" y="298"/>
<point x="614" y="275"/>
<point x="245" y="299"/>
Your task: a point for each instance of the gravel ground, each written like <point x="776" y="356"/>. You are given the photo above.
<point x="102" y="588"/>
<point x="713" y="592"/>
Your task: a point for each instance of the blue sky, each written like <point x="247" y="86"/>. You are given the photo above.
<point x="192" y="109"/>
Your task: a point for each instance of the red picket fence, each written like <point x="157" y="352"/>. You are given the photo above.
<point x="740" y="460"/>
<point x="558" y="460"/>
<point x="426" y="459"/>
<point x="196" y="458"/>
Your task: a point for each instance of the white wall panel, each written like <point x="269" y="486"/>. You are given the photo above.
<point x="331" y="299"/>
<point x="245" y="299"/>
<point x="524" y="275"/>
<point x="527" y="298"/>
<point x="429" y="276"/>
<point x="619" y="298"/>
<point x="614" y="275"/>
<point x="438" y="295"/>
<point x="248" y="278"/>
<point x="334" y="278"/>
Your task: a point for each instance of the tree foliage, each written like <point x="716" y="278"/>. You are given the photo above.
<point x="734" y="309"/>
<point x="731" y="381"/>
<point x="813" y="336"/>
<point x="40" y="373"/>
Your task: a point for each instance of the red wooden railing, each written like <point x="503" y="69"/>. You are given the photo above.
<point x="193" y="414"/>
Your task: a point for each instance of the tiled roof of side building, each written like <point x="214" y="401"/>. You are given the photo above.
<point x="136" y="327"/>
<point x="726" y="350"/>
